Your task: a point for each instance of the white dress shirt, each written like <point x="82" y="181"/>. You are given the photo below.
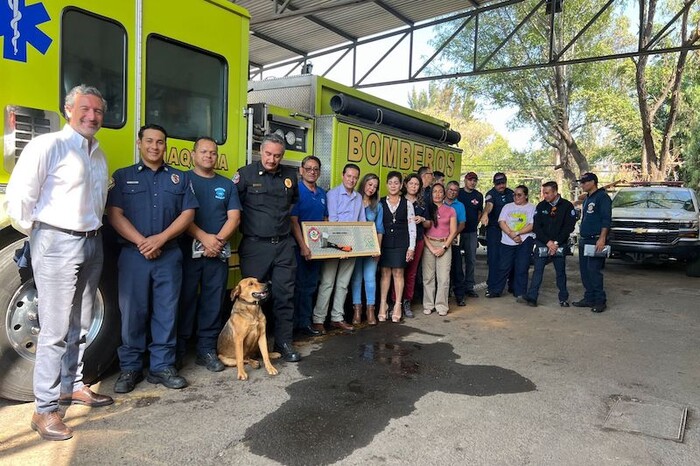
<point x="59" y="182"/>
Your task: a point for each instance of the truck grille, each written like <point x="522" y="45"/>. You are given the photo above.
<point x="631" y="237"/>
<point x="22" y="124"/>
<point x="640" y="232"/>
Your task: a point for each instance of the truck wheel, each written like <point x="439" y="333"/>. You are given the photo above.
<point x="19" y="328"/>
<point x="693" y="267"/>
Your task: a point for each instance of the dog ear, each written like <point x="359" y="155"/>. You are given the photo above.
<point x="236" y="292"/>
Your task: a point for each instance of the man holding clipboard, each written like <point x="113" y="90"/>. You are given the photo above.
<point x="595" y="224"/>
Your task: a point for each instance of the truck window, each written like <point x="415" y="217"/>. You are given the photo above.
<point x="185" y="90"/>
<point x="93" y="52"/>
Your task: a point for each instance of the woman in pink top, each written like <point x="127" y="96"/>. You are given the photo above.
<point x="437" y="255"/>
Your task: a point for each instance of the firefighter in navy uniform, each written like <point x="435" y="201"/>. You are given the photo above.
<point x="267" y="190"/>
<point x="150" y="205"/>
<point x="595" y="223"/>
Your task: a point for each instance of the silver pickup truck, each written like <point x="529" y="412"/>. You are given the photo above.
<point x="657" y="222"/>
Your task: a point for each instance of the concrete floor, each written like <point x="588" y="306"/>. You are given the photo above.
<point x="494" y="382"/>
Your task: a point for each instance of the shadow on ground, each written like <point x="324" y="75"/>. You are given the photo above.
<point x="357" y="384"/>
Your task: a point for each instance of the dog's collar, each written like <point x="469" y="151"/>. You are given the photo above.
<point x="255" y="303"/>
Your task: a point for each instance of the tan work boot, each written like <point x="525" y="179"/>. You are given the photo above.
<point x="50" y="426"/>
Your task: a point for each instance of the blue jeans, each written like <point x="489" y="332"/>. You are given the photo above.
<point x="537" y="274"/>
<point x="591" y="275"/>
<point x="365" y="267"/>
<point x="515" y="260"/>
<point x="306" y="283"/>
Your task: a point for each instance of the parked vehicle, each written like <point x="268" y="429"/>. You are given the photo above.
<point x="656" y="222"/>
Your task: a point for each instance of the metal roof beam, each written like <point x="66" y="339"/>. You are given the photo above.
<point x="395" y="13"/>
<point x="278" y="43"/>
<point x="307" y="11"/>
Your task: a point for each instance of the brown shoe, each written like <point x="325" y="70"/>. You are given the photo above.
<point x="343" y="326"/>
<point x="320" y="328"/>
<point x="85" y="396"/>
<point x="50" y="426"/>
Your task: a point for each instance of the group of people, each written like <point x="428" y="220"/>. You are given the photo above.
<point x="519" y="233"/>
<point x="174" y="228"/>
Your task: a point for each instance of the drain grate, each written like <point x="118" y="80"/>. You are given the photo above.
<point x="655" y="418"/>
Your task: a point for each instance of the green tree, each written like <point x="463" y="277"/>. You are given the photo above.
<point x="553" y="100"/>
<point x="659" y="81"/>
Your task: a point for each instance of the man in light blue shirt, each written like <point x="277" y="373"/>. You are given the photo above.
<point x="456" y="270"/>
<point x="344" y="205"/>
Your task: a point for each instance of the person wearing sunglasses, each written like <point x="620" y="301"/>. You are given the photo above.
<point x="516" y="221"/>
<point x="555" y="219"/>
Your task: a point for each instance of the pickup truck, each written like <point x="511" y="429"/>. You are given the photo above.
<point x="656" y="222"/>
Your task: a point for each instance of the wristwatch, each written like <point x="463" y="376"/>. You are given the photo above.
<point x="444" y="246"/>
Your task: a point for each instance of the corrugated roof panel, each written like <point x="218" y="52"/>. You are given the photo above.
<point x="356" y="19"/>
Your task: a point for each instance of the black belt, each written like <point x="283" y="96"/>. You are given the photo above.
<point x="82" y="234"/>
<point x="269" y="239"/>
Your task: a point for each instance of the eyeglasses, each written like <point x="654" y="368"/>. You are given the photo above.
<point x="312" y="169"/>
<point x="519" y="194"/>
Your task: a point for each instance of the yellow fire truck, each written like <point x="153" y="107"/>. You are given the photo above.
<point x="183" y="66"/>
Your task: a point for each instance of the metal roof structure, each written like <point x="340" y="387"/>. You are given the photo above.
<point x="366" y="36"/>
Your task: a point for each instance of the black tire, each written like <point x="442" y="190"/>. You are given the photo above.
<point x="692" y="268"/>
<point x="17" y="328"/>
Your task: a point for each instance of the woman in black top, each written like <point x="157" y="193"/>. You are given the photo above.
<point x="398" y="244"/>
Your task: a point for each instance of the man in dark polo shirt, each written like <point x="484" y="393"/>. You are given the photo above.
<point x="495" y="199"/>
<point x="473" y="202"/>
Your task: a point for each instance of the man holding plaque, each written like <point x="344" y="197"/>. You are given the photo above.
<point x="555" y="219"/>
<point x="344" y="205"/>
<point x="595" y="224"/>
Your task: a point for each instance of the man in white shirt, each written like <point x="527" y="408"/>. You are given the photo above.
<point x="56" y="195"/>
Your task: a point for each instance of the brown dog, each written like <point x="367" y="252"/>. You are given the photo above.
<point x="245" y="328"/>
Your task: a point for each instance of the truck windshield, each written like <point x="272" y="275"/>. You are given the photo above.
<point x="185" y="90"/>
<point x="655" y="199"/>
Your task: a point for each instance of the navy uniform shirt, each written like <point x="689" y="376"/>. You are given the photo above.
<point x="597" y="213"/>
<point x="498" y="200"/>
<point x="474" y="205"/>
<point x="266" y="199"/>
<point x="216" y="196"/>
<point x="151" y="200"/>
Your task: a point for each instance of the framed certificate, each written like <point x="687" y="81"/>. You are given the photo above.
<point x="333" y="240"/>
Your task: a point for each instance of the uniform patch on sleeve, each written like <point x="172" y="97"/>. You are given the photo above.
<point x="487" y="198"/>
<point x="236" y="178"/>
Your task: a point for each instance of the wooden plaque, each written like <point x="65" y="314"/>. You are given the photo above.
<point x="333" y="240"/>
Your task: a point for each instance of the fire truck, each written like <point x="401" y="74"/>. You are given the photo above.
<point x="184" y="67"/>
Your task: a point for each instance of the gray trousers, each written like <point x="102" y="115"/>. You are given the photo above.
<point x="66" y="273"/>
<point x="469" y="243"/>
<point x="335" y="273"/>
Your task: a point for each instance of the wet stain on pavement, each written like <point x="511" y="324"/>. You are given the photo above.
<point x="145" y="401"/>
<point x="357" y="384"/>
